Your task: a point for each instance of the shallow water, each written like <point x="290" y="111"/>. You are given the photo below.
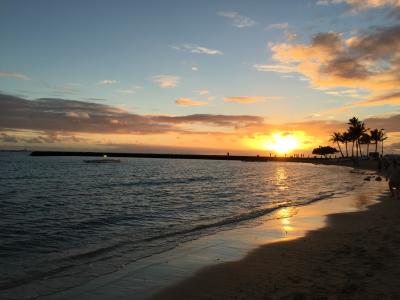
<point x="64" y="222"/>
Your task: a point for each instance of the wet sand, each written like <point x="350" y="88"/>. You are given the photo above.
<point x="356" y="256"/>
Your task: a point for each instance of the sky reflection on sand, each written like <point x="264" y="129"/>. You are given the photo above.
<point x="295" y="222"/>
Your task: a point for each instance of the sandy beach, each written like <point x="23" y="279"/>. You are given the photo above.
<point x="354" y="257"/>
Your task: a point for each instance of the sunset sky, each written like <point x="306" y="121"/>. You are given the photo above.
<point x="196" y="76"/>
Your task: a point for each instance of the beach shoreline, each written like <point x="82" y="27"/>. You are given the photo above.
<point x="355" y="256"/>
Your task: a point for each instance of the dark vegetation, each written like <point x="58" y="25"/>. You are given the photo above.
<point x="356" y="136"/>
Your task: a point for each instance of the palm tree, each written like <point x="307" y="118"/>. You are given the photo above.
<point x="382" y="137"/>
<point x="337" y="137"/>
<point x="375" y="137"/>
<point x="351" y="135"/>
<point x="353" y="122"/>
<point x="346" y="138"/>
<point x="356" y="129"/>
<point x="365" y="140"/>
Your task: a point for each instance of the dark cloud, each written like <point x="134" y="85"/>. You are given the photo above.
<point x="346" y="67"/>
<point x="328" y="40"/>
<point x="38" y="137"/>
<point x="219" y="120"/>
<point x="60" y="115"/>
<point x="6" y="138"/>
<point x="390" y="124"/>
<point x="395" y="13"/>
<point x="353" y="60"/>
<point x="71" y="116"/>
<point x="381" y="43"/>
<point x="94" y="99"/>
<point x="47" y="138"/>
<point x="38" y="140"/>
<point x="391" y="98"/>
<point x="143" y="148"/>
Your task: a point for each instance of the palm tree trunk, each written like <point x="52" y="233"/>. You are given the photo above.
<point x="376" y="146"/>
<point x="356" y="148"/>
<point x="340" y="149"/>
<point x="347" y="150"/>
<point x="352" y="149"/>
<point x="368" y="150"/>
<point x="359" y="145"/>
<point x="382" y="147"/>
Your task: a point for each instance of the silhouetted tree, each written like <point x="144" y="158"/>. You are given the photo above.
<point x="357" y="134"/>
<point x="346" y="139"/>
<point x="337" y="138"/>
<point x="356" y="129"/>
<point x="365" y="140"/>
<point x="382" y="137"/>
<point x="324" y="150"/>
<point x="375" y="137"/>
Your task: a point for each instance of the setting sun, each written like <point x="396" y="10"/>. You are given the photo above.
<point x="282" y="143"/>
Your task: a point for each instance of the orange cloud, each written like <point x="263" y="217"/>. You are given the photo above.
<point x="362" y="5"/>
<point x="79" y="114"/>
<point x="190" y="102"/>
<point x="18" y="76"/>
<point x="107" y="81"/>
<point x="248" y="99"/>
<point x="166" y="81"/>
<point x="369" y="61"/>
<point x="388" y="99"/>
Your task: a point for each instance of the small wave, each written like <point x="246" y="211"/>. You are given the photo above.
<point x="87" y="257"/>
<point x="158" y="182"/>
<point x="221" y="223"/>
<point x="31" y="276"/>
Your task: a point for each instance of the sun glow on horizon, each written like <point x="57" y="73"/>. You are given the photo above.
<point x="282" y="144"/>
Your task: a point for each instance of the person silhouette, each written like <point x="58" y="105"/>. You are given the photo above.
<point x="393" y="176"/>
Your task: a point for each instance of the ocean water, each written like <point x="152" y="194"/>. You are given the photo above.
<point x="64" y="222"/>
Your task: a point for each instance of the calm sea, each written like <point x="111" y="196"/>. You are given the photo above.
<point x="64" y="222"/>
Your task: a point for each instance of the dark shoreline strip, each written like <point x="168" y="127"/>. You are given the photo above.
<point x="180" y="156"/>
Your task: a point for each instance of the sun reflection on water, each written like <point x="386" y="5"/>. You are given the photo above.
<point x="281" y="178"/>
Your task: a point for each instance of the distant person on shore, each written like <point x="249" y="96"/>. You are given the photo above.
<point x="393" y="175"/>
